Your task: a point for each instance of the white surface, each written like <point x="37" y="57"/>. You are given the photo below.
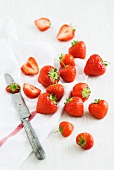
<point x="94" y="22"/>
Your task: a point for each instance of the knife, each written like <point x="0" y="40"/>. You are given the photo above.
<point x="24" y="114"/>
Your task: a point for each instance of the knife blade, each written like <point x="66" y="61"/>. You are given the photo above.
<point x="24" y="114"/>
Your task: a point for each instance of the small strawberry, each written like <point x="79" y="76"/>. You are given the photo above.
<point x="66" y="59"/>
<point x="81" y="90"/>
<point x="98" y="108"/>
<point x="78" y="49"/>
<point x="31" y="91"/>
<point x="13" y="88"/>
<point x="30" y="67"/>
<point x="85" y="140"/>
<point x="42" y="24"/>
<point x="46" y="104"/>
<point x="56" y="90"/>
<point x="74" y="106"/>
<point x="48" y="75"/>
<point x="95" y="66"/>
<point x="66" y="128"/>
<point x="67" y="73"/>
<point x="66" y="33"/>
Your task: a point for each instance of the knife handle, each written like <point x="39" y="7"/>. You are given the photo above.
<point x="34" y="141"/>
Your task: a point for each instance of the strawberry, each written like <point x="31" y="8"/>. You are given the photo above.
<point x="95" y="66"/>
<point x="85" y="140"/>
<point x="56" y="90"/>
<point x="78" y="49"/>
<point x="74" y="106"/>
<point x="81" y="90"/>
<point x="30" y="67"/>
<point x="98" y="108"/>
<point x="66" y="128"/>
<point x="31" y="91"/>
<point x="13" y="88"/>
<point x="67" y="73"/>
<point x="65" y="33"/>
<point x="66" y="59"/>
<point x="48" y="75"/>
<point x="42" y="24"/>
<point x="46" y="104"/>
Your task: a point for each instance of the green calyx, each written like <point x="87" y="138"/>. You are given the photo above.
<point x="96" y="101"/>
<point x="53" y="74"/>
<point x="53" y="98"/>
<point x="61" y="56"/>
<point x="86" y="92"/>
<point x="13" y="87"/>
<point x="105" y="62"/>
<point x="82" y="141"/>
<point x="74" y="42"/>
<point x="68" y="100"/>
<point x="61" y="129"/>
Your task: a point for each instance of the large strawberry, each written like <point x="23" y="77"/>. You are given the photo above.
<point x="66" y="59"/>
<point x="81" y="90"/>
<point x="42" y="24"/>
<point x="66" y="128"/>
<point x="56" y="90"/>
<point x="67" y="73"/>
<point x="30" y="67"/>
<point x="85" y="140"/>
<point x="48" y="75"/>
<point x="66" y="33"/>
<point x="78" y="49"/>
<point x="31" y="91"/>
<point x="74" y="106"/>
<point x="98" y="108"/>
<point x="95" y="66"/>
<point x="46" y="104"/>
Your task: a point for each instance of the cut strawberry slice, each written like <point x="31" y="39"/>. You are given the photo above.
<point x="42" y="24"/>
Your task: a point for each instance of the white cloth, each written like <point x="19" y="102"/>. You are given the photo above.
<point x="14" y="53"/>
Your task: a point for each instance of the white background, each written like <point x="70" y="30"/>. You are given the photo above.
<point x="94" y="22"/>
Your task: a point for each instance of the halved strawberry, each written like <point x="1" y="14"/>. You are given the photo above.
<point x="66" y="33"/>
<point x="30" y="67"/>
<point x="31" y="91"/>
<point x="42" y="24"/>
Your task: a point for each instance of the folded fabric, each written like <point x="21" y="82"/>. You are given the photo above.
<point x="14" y="53"/>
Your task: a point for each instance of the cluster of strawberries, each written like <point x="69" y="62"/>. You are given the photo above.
<point x="49" y="77"/>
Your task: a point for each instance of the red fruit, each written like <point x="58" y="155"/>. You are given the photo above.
<point x="13" y="88"/>
<point x="85" y="140"/>
<point x="98" y="108"/>
<point x="95" y="66"/>
<point x="56" y="90"/>
<point x="30" y="67"/>
<point x="42" y="24"/>
<point x="31" y="91"/>
<point x="66" y="128"/>
<point x="46" y="104"/>
<point x="68" y="73"/>
<point x="74" y="106"/>
<point x="48" y="75"/>
<point x="66" y="33"/>
<point x="81" y="90"/>
<point x="78" y="49"/>
<point x="66" y="59"/>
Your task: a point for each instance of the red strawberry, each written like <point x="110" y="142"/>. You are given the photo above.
<point x="74" y="106"/>
<point x="48" y="75"/>
<point x="67" y="73"/>
<point x="56" y="90"/>
<point x="98" y="108"/>
<point x="78" y="49"/>
<point x="30" y="67"/>
<point x="66" y="128"/>
<point x="81" y="90"/>
<point x="13" y="88"/>
<point x="85" y="140"/>
<point x="42" y="24"/>
<point x="95" y="66"/>
<point x="31" y="91"/>
<point x="46" y="104"/>
<point x="66" y="59"/>
<point x="66" y="33"/>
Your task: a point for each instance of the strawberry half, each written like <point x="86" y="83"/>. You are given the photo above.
<point x="66" y="33"/>
<point x="42" y="24"/>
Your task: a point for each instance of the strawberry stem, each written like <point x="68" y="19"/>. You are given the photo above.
<point x="82" y="141"/>
<point x="53" y="98"/>
<point x="96" y="101"/>
<point x="86" y="92"/>
<point x="74" y="42"/>
<point x="53" y="74"/>
<point x="13" y="87"/>
<point x="68" y="100"/>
